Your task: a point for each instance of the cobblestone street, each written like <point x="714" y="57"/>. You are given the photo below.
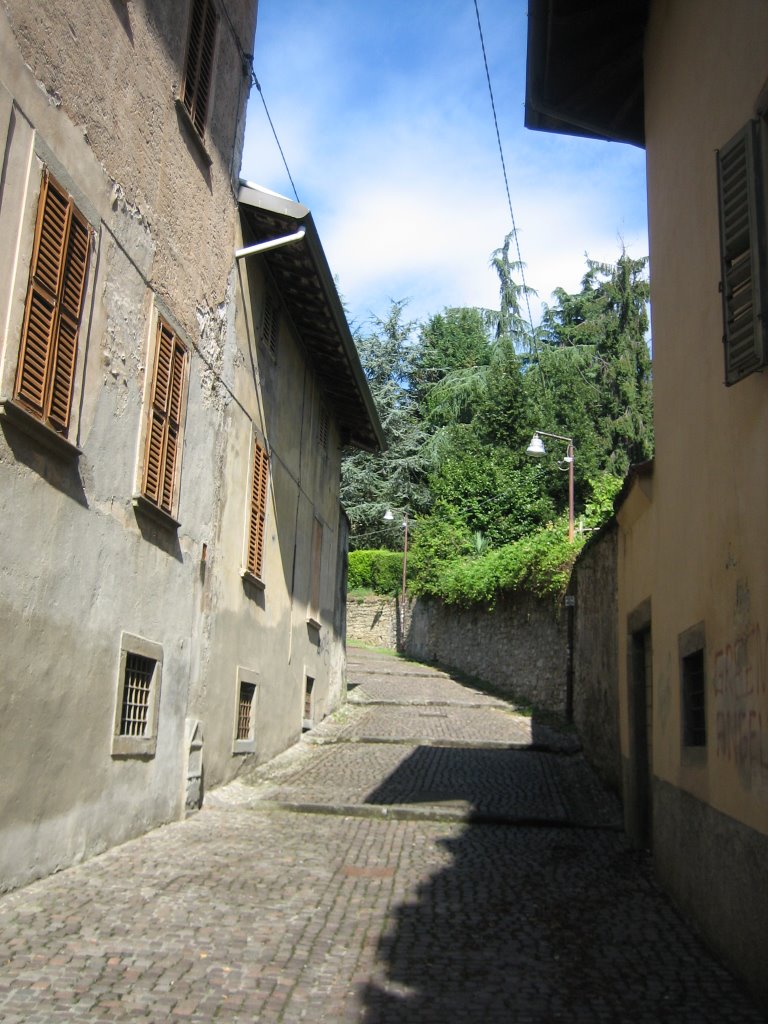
<point x="427" y="856"/>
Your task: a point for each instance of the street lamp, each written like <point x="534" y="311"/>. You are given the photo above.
<point x="536" y="447"/>
<point x="389" y="518"/>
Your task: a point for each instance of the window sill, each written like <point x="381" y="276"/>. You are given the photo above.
<point x="39" y="431"/>
<point x="314" y="623"/>
<point x="244" y="747"/>
<point x="197" y="138"/>
<point x="134" y="746"/>
<point x="252" y="581"/>
<point x="146" y="508"/>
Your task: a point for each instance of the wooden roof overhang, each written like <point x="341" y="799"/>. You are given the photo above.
<point x="304" y="282"/>
<point x="585" y="68"/>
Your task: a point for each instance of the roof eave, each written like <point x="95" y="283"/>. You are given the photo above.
<point x="258" y="201"/>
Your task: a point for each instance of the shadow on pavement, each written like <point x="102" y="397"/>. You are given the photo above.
<point x="536" y="925"/>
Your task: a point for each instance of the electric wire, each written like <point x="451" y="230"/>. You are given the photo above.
<point x="256" y="82"/>
<point x="503" y="166"/>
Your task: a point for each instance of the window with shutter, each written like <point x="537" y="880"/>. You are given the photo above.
<point x="54" y="306"/>
<point x="742" y="253"/>
<point x="164" y="431"/>
<point x="258" y="510"/>
<point x="199" y="65"/>
<point x="316" y="572"/>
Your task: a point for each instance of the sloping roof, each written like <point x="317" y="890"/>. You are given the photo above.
<point x="303" y="279"/>
<point x="585" y="68"/>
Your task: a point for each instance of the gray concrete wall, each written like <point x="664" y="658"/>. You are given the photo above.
<point x="519" y="645"/>
<point x="595" y="650"/>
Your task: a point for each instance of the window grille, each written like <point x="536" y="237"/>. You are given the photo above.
<point x="245" y="711"/>
<point x="135" y="714"/>
<point x="199" y="65"/>
<point x="309" y="686"/>
<point x="694" y="704"/>
<point x="54" y="306"/>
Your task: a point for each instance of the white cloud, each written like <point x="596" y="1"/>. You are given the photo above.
<point x="393" y="148"/>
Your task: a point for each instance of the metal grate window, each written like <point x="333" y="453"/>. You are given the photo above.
<point x="135" y="714"/>
<point x="694" y="706"/>
<point x="245" y="711"/>
<point x="309" y="686"/>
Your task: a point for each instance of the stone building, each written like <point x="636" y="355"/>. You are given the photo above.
<point x="687" y="79"/>
<point x="172" y="547"/>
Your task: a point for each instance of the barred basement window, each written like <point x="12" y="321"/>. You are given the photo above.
<point x="308" y="711"/>
<point x="134" y="717"/>
<point x="54" y="306"/>
<point x="138" y="697"/>
<point x="162" y="455"/>
<point x="198" y="71"/>
<point x="693" y="690"/>
<point x="694" y="705"/>
<point x="245" y="711"/>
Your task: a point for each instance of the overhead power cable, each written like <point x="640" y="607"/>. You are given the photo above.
<point x="503" y="167"/>
<point x="255" y="81"/>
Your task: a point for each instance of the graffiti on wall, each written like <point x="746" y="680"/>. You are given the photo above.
<point x="741" y="704"/>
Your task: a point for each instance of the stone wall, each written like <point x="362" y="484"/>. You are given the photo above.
<point x="372" y="620"/>
<point x="595" y="651"/>
<point x="520" y="645"/>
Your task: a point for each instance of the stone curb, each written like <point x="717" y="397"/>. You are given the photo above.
<point x="536" y="748"/>
<point x="402" y="812"/>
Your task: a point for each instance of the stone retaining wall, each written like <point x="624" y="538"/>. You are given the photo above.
<point x="372" y="620"/>
<point x="595" y="649"/>
<point x="520" y="645"/>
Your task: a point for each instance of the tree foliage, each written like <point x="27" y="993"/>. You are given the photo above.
<point x="460" y="397"/>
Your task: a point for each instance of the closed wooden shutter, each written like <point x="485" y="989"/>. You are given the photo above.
<point x="316" y="569"/>
<point x="199" y="66"/>
<point x="48" y="351"/>
<point x="258" y="510"/>
<point x="742" y="240"/>
<point x="165" y="416"/>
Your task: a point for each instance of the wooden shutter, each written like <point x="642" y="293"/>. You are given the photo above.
<point x="48" y="351"/>
<point x="258" y="514"/>
<point x="199" y="66"/>
<point x="270" y="329"/>
<point x="316" y="569"/>
<point x="165" y="415"/>
<point x="742" y="241"/>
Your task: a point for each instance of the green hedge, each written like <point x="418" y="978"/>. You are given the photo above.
<point x="378" y="570"/>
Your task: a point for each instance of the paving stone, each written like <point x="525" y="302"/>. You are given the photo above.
<point x="244" y="913"/>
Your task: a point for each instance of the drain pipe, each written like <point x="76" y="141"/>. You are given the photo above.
<point x="273" y="243"/>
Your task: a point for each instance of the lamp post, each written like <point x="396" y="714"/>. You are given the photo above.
<point x="536" y="447"/>
<point x="389" y="517"/>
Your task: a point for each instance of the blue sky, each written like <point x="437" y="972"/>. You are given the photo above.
<point x="383" y="112"/>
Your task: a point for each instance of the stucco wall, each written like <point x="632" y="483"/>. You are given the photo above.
<point x="595" y="655"/>
<point x="520" y="645"/>
<point x="80" y="564"/>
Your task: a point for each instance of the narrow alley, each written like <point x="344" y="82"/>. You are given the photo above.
<point x="426" y="855"/>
